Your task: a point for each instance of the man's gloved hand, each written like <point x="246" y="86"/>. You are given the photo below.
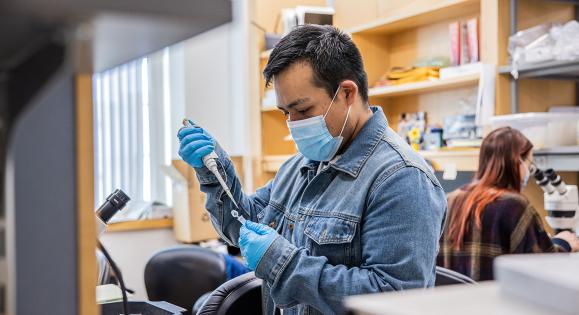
<point x="195" y="143"/>
<point x="254" y="240"/>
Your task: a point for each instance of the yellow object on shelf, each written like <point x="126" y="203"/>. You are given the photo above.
<point x="414" y="136"/>
<point x="408" y="75"/>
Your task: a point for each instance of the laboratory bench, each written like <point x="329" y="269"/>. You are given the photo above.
<point x="484" y="298"/>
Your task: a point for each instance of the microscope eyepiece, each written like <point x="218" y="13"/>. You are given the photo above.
<point x="543" y="181"/>
<point x="556" y="181"/>
<point x="114" y="203"/>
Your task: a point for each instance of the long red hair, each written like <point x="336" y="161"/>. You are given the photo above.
<point x="498" y="172"/>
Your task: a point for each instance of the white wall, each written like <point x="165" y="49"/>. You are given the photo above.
<point x="208" y="83"/>
<point x="132" y="249"/>
<point x="210" y="80"/>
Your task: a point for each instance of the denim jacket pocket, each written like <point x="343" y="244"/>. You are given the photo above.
<point x="273" y="216"/>
<point x="331" y="237"/>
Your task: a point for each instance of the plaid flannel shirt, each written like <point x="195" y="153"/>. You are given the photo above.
<point x="509" y="225"/>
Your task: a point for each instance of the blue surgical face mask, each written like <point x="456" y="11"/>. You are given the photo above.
<point x="313" y="138"/>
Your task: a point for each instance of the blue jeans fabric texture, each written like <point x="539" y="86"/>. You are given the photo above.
<point x="369" y="222"/>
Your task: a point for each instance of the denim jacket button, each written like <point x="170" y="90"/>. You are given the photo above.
<point x="291" y="227"/>
<point x="272" y="225"/>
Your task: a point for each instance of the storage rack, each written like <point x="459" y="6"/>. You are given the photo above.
<point x="561" y="158"/>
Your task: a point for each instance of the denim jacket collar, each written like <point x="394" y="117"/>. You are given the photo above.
<point x="361" y="147"/>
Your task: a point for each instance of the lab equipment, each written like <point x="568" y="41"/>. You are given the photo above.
<point x="113" y="204"/>
<point x="560" y="200"/>
<point x="210" y="161"/>
<point x="254" y="240"/>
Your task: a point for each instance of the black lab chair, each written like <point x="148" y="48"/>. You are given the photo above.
<point x="181" y="274"/>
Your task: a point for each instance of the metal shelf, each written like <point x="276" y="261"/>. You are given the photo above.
<point x="559" y="158"/>
<point x="549" y="70"/>
<point x="561" y="70"/>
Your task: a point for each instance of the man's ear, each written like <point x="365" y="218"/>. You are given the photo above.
<point x="350" y="89"/>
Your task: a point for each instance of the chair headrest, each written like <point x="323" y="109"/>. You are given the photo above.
<point x="181" y="274"/>
<point x="241" y="295"/>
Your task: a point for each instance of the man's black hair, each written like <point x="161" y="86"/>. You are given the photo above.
<point x="332" y="55"/>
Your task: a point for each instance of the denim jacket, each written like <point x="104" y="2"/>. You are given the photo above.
<point x="369" y="222"/>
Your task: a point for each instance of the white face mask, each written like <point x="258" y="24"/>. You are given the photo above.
<point x="525" y="180"/>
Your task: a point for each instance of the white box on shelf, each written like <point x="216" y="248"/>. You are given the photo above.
<point x="456" y="71"/>
<point x="544" y="130"/>
<point x="573" y="109"/>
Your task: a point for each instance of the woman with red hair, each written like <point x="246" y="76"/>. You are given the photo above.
<point x="490" y="217"/>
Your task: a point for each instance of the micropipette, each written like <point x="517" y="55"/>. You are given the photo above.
<point x="210" y="161"/>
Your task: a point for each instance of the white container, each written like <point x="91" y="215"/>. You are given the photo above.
<point x="573" y="109"/>
<point x="544" y="130"/>
<point x="547" y="280"/>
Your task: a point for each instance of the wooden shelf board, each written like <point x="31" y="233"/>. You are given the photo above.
<point x="465" y="159"/>
<point x="272" y="163"/>
<point x="460" y="159"/>
<point x="466" y="152"/>
<point x="419" y="15"/>
<point x="269" y="109"/>
<point x="140" y="225"/>
<point x="424" y="86"/>
<point x="265" y="54"/>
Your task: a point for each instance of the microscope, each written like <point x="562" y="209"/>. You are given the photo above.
<point x="561" y="200"/>
<point x="113" y="204"/>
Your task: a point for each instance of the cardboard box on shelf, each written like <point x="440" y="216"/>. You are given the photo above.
<point x="191" y="221"/>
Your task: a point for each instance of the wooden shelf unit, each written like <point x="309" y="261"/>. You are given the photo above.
<point x="464" y="159"/>
<point x="424" y="86"/>
<point x="398" y="33"/>
<point x="396" y="39"/>
<point x="418" y="15"/>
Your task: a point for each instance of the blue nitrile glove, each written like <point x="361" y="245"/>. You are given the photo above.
<point x="254" y="240"/>
<point x="195" y="143"/>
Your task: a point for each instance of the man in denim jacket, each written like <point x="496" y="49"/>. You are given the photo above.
<point x="355" y="212"/>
